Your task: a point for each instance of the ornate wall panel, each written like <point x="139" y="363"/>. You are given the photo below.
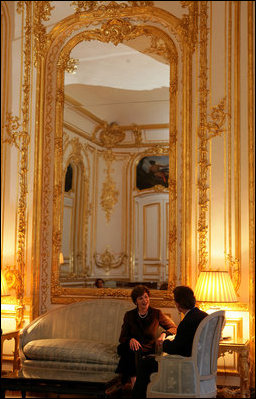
<point x="56" y="42"/>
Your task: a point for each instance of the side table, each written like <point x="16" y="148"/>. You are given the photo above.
<point x="7" y="336"/>
<point x="240" y="346"/>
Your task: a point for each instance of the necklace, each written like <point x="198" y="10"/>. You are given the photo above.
<point x="143" y="316"/>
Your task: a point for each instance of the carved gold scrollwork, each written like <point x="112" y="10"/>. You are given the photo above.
<point x="109" y="134"/>
<point x="160" y="47"/>
<point x="14" y="281"/>
<point x="137" y="135"/>
<point x="15" y="135"/>
<point x="88" y="6"/>
<point x="203" y="145"/>
<point x="158" y="188"/>
<point x="56" y="240"/>
<point x="116" y="31"/>
<point x="218" y="117"/>
<point x="132" y="27"/>
<point x="159" y="150"/>
<point x="42" y="11"/>
<point x="235" y="270"/>
<point x="108" y="260"/>
<point x="11" y="276"/>
<point x="188" y="26"/>
<point x="60" y="96"/>
<point x="109" y="195"/>
<point x="72" y="65"/>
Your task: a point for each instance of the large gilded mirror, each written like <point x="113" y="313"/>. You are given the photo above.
<point x="115" y="166"/>
<point x="115" y="150"/>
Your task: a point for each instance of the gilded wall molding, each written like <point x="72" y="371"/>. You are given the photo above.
<point x="19" y="135"/>
<point x="251" y="180"/>
<point x="72" y="65"/>
<point x="237" y="138"/>
<point x="203" y="141"/>
<point x="41" y="12"/>
<point x="216" y="120"/>
<point x="110" y="7"/>
<point x="109" y="194"/>
<point x="109" y="260"/>
<point x="51" y="83"/>
<point x="110" y="134"/>
<point x="189" y="24"/>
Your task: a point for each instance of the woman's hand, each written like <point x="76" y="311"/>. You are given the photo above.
<point x="173" y="330"/>
<point x="160" y="340"/>
<point x="134" y="344"/>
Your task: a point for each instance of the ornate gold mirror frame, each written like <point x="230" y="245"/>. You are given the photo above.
<point x="112" y="23"/>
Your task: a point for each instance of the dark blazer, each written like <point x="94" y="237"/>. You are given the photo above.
<point x="182" y="343"/>
<point x="144" y="329"/>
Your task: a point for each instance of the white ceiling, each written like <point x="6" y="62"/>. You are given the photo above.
<point x="119" y="84"/>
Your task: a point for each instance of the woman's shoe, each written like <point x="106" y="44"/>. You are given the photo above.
<point x="113" y="388"/>
<point x="127" y="387"/>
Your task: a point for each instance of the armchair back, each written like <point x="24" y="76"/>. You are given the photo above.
<point x="194" y="376"/>
<point x="206" y="343"/>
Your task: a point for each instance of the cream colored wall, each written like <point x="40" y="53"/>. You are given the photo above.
<point x="228" y="77"/>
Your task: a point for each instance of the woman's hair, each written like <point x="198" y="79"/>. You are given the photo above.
<point x="139" y="290"/>
<point x="184" y="296"/>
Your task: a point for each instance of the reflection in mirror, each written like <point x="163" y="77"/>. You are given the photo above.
<point x="115" y="166"/>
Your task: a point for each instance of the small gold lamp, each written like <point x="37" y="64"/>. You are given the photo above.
<point x="215" y="286"/>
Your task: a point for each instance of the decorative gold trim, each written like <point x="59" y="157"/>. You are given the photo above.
<point x="236" y="306"/>
<point x="72" y="65"/>
<point x="237" y="145"/>
<point x="112" y="6"/>
<point x="203" y="143"/>
<point x="188" y="26"/>
<point x="251" y="182"/>
<point x="13" y="131"/>
<point x="109" y="194"/>
<point x="108" y="260"/>
<point x="24" y="139"/>
<point x="109" y="134"/>
<point x="218" y="118"/>
<point x="56" y="40"/>
<point x="42" y="11"/>
<point x="234" y="270"/>
<point x="229" y="127"/>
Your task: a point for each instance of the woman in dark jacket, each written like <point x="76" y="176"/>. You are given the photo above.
<point x="139" y="335"/>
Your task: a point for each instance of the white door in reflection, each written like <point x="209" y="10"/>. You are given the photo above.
<point x="151" y="238"/>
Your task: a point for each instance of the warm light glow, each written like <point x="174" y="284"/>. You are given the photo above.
<point x="215" y="286"/>
<point x="61" y="259"/>
<point x="4" y="286"/>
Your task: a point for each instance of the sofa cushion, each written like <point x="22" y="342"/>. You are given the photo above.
<point x="71" y="350"/>
<point x="68" y="371"/>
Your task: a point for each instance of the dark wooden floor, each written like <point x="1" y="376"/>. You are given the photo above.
<point x="227" y="392"/>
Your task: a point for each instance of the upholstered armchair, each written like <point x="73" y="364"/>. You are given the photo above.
<point x="195" y="376"/>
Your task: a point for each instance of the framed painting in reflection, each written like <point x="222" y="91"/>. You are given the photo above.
<point x="152" y="171"/>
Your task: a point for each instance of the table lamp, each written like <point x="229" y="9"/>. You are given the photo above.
<point x="215" y="286"/>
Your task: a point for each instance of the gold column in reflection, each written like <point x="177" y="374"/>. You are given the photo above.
<point x="237" y="146"/>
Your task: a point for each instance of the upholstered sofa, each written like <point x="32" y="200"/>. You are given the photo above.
<point x="78" y="340"/>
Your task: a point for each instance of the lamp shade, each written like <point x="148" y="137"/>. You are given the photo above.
<point x="4" y="286"/>
<point x="215" y="286"/>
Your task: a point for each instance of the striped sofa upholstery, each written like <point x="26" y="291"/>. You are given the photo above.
<point x="76" y="340"/>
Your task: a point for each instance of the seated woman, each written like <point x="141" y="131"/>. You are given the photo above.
<point x="138" y="338"/>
